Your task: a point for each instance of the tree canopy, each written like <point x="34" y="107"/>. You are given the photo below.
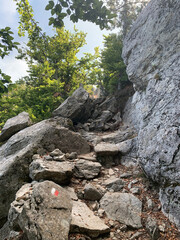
<point x="6" y="46"/>
<point x="114" y="69"/>
<point x="126" y="12"/>
<point x="54" y="69"/>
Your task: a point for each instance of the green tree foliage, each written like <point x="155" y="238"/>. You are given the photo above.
<point x="126" y="12"/>
<point x="52" y="77"/>
<point x="6" y="45"/>
<point x="114" y="69"/>
<point x="90" y="10"/>
<point x="53" y="60"/>
<point x="54" y="70"/>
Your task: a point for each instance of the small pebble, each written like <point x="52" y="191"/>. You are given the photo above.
<point x="134" y="181"/>
<point x="125" y="175"/>
<point x="56" y="152"/>
<point x="111" y="172"/>
<point x="35" y="156"/>
<point x="162" y="227"/>
<point x="150" y="203"/>
<point x="123" y="227"/>
<point x="48" y="158"/>
<point x="101" y="212"/>
<point x="60" y="158"/>
<point x="111" y="223"/>
<point x="73" y="155"/>
<point x="135" y="190"/>
<point x="111" y="234"/>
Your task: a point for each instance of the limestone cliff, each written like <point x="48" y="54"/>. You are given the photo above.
<point x="152" y="55"/>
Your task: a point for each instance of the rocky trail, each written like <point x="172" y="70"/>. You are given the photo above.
<point x="105" y="168"/>
<point x="103" y="194"/>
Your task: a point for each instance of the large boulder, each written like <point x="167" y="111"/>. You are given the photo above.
<point x="16" y="154"/>
<point x="123" y="207"/>
<point x="41" y="211"/>
<point x="104" y="149"/>
<point x="152" y="54"/>
<point x="76" y="107"/>
<point x="14" y="125"/>
<point x="58" y="172"/>
<point x="86" y="169"/>
<point x="84" y="221"/>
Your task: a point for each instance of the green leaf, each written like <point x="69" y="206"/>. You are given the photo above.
<point x="64" y="3"/>
<point x="51" y="21"/>
<point x="50" y="5"/>
<point x="53" y="11"/>
<point x="58" y="8"/>
<point x="68" y="11"/>
<point x="62" y="15"/>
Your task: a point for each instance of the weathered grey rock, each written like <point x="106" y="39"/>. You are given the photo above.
<point x="103" y="149"/>
<point x="90" y="137"/>
<point x="61" y="158"/>
<point x="135" y="190"/>
<point x="119" y="136"/>
<point x="46" y="157"/>
<point x="109" y="104"/>
<point x="99" y="123"/>
<point x="73" y="155"/>
<point x="76" y="107"/>
<point x="96" y="125"/>
<point x="125" y="146"/>
<point x="56" y="152"/>
<point x="14" y="125"/>
<point x="86" y="169"/>
<point x="152" y="228"/>
<point x="123" y="207"/>
<point x="169" y="198"/>
<point x="136" y="235"/>
<point x="4" y="231"/>
<point x="84" y="221"/>
<point x="92" y="193"/>
<point x="126" y="175"/>
<point x="150" y="203"/>
<point x="16" y="155"/>
<point x="71" y="193"/>
<point x="88" y="156"/>
<point x="114" y="183"/>
<point x="117" y="117"/>
<point x="106" y="116"/>
<point x="42" y="211"/>
<point x="152" y="54"/>
<point x="58" y="172"/>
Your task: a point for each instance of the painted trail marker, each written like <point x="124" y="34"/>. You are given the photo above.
<point x="54" y="192"/>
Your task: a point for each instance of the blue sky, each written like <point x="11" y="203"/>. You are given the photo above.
<point x="9" y="17"/>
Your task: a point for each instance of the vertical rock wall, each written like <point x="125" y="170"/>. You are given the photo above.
<point x="152" y="55"/>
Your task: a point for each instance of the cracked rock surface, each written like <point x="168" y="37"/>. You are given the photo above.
<point x="42" y="211"/>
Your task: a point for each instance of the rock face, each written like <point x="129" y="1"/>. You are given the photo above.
<point x="39" y="210"/>
<point x="84" y="220"/>
<point x="16" y="154"/>
<point x="76" y="107"/>
<point x="123" y="207"/>
<point x="14" y="125"/>
<point x="152" y="54"/>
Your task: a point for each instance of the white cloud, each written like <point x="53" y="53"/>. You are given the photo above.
<point x="14" y="67"/>
<point x="7" y="12"/>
